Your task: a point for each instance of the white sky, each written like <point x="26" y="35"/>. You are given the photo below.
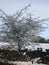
<point x="40" y="8"/>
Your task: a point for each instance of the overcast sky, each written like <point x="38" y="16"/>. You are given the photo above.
<point x="40" y="8"/>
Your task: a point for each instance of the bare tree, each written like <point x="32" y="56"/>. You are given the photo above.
<point x="21" y="27"/>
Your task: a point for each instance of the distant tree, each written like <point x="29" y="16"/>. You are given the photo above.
<point x="47" y="41"/>
<point x="21" y="27"/>
<point x="42" y="40"/>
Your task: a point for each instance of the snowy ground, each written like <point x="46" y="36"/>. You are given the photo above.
<point x="33" y="46"/>
<point x="27" y="63"/>
<point x="23" y="62"/>
<point x="38" y="45"/>
<point x="44" y="46"/>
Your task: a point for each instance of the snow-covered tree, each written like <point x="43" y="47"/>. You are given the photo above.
<point x="21" y="27"/>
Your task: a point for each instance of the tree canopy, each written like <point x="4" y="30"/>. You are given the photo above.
<point x="21" y="27"/>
